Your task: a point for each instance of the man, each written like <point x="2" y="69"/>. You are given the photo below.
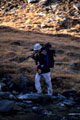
<point x="42" y="69"/>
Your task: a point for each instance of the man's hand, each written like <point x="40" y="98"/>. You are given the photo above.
<point x="39" y="71"/>
<point x="33" y="54"/>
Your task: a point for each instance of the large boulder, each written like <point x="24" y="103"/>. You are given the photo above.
<point x="6" y="105"/>
<point x="40" y="98"/>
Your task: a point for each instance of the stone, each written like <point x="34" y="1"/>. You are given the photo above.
<point x="9" y="84"/>
<point x="24" y="83"/>
<point x="37" y="109"/>
<point x="69" y="93"/>
<point x="43" y="26"/>
<point x="46" y="112"/>
<point x="18" y="43"/>
<point x="76" y="66"/>
<point x="61" y="97"/>
<point x="22" y="7"/>
<point x="69" y="103"/>
<point x="8" y="81"/>
<point x="6" y="105"/>
<point x="4" y="94"/>
<point x="77" y="98"/>
<point x="59" y="51"/>
<point x="71" y="54"/>
<point x="77" y="6"/>
<point x="74" y="114"/>
<point x="35" y="97"/>
<point x="67" y="23"/>
<point x="44" y="2"/>
<point x="32" y="1"/>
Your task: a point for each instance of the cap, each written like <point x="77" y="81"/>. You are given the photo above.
<point x="37" y="46"/>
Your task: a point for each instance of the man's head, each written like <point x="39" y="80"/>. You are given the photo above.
<point x="37" y="47"/>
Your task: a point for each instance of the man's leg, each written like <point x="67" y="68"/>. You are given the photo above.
<point x="37" y="83"/>
<point x="47" y="77"/>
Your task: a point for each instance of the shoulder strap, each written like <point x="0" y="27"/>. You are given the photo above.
<point x="47" y="59"/>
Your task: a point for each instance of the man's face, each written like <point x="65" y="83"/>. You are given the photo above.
<point x="37" y="51"/>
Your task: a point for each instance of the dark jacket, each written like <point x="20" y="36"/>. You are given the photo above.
<point x="40" y="59"/>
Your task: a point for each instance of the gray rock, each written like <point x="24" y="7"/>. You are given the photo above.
<point x="69" y="103"/>
<point x="76" y="66"/>
<point x="37" y="109"/>
<point x="61" y="97"/>
<point x="24" y="84"/>
<point x="8" y="81"/>
<point x="44" y="2"/>
<point x="40" y="98"/>
<point x="77" y="6"/>
<point x="46" y="112"/>
<point x="60" y="52"/>
<point x="74" y="114"/>
<point x="6" y="105"/>
<point x="32" y="1"/>
<point x="4" y="94"/>
<point x="22" y="7"/>
<point x="69" y="93"/>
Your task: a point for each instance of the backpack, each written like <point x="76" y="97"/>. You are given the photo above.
<point x="50" y="53"/>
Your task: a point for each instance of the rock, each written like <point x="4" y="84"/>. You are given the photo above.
<point x="74" y="114"/>
<point x="24" y="83"/>
<point x="61" y="97"/>
<point x="29" y="26"/>
<point x="76" y="66"/>
<point x="44" y="2"/>
<point x="4" y="94"/>
<point x="37" y="109"/>
<point x="22" y="7"/>
<point x="71" y="54"/>
<point x="46" y="112"/>
<point x="32" y="1"/>
<point x="77" y="6"/>
<point x="18" y="106"/>
<point x="0" y="87"/>
<point x="40" y="98"/>
<point x="54" y="6"/>
<point x="7" y="80"/>
<point x="9" y="84"/>
<point x="6" y="105"/>
<point x="60" y="52"/>
<point x="1" y="84"/>
<point x="10" y="6"/>
<point x="77" y="98"/>
<point x="41" y="14"/>
<point x="17" y="43"/>
<point x="46" y="26"/>
<point x="69" y="103"/>
<point x="67" y="23"/>
<point x="69" y="93"/>
<point x="43" y="26"/>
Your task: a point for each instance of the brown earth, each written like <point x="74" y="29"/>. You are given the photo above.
<point x="15" y="44"/>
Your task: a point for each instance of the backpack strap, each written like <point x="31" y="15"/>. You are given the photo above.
<point x="47" y="59"/>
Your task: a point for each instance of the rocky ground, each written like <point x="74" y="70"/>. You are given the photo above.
<point x="24" y="24"/>
<point x="51" y="17"/>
